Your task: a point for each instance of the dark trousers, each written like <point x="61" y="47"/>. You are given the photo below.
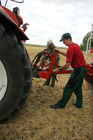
<point x="52" y="80"/>
<point x="74" y="85"/>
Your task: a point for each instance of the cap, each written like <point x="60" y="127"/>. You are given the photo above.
<point x="49" y="42"/>
<point x="65" y="36"/>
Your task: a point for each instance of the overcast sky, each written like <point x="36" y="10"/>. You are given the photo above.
<point x="49" y="19"/>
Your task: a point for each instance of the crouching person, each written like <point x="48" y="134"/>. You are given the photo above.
<point x="50" y="49"/>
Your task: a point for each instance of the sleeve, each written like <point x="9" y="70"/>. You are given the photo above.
<point x="57" y="58"/>
<point x="69" y="55"/>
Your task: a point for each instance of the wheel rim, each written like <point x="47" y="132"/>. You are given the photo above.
<point x="3" y="81"/>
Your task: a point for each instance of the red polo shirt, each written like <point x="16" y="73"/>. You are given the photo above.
<point x="75" y="56"/>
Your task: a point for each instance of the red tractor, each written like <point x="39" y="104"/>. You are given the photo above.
<point x="15" y="66"/>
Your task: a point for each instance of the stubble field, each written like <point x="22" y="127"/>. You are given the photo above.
<point x="37" y="121"/>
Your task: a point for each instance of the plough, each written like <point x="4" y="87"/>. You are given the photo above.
<point x="43" y="63"/>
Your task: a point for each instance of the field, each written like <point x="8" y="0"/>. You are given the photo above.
<point x="37" y="121"/>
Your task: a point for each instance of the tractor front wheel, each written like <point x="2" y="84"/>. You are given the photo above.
<point x="15" y="74"/>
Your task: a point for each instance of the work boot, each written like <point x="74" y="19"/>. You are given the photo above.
<point x="52" y="86"/>
<point x="47" y="82"/>
<point x="76" y="105"/>
<point x="55" y="106"/>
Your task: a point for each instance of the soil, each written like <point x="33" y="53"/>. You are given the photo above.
<point x="37" y="121"/>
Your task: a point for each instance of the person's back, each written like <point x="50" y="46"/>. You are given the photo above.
<point x="76" y="56"/>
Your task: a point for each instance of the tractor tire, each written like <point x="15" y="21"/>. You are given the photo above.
<point x="15" y="74"/>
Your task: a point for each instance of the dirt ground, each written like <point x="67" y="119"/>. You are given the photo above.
<point x="37" y="121"/>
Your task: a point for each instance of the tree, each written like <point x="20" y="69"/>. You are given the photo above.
<point x="83" y="45"/>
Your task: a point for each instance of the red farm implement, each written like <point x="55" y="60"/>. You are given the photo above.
<point x="43" y="68"/>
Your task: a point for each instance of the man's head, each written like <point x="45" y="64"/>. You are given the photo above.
<point x="16" y="10"/>
<point x="50" y="44"/>
<point x="66" y="38"/>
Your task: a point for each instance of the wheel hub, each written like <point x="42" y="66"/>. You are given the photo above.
<point x="3" y="81"/>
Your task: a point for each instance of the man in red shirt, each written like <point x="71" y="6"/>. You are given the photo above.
<point x="74" y="58"/>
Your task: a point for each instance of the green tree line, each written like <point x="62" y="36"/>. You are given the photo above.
<point x="83" y="45"/>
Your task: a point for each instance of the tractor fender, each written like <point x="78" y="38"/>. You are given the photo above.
<point x="10" y="22"/>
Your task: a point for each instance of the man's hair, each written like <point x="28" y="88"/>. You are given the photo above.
<point x="15" y="10"/>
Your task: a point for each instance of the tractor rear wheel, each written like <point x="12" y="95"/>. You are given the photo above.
<point x="15" y="74"/>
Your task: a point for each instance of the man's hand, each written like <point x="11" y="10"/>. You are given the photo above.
<point x="66" y="66"/>
<point x="25" y="26"/>
<point x="56" y="70"/>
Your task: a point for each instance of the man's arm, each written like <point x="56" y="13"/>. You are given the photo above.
<point x="63" y="53"/>
<point x="67" y="65"/>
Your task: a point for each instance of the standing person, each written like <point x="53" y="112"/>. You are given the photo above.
<point x="16" y="10"/>
<point x="50" y="49"/>
<point x="75" y="58"/>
